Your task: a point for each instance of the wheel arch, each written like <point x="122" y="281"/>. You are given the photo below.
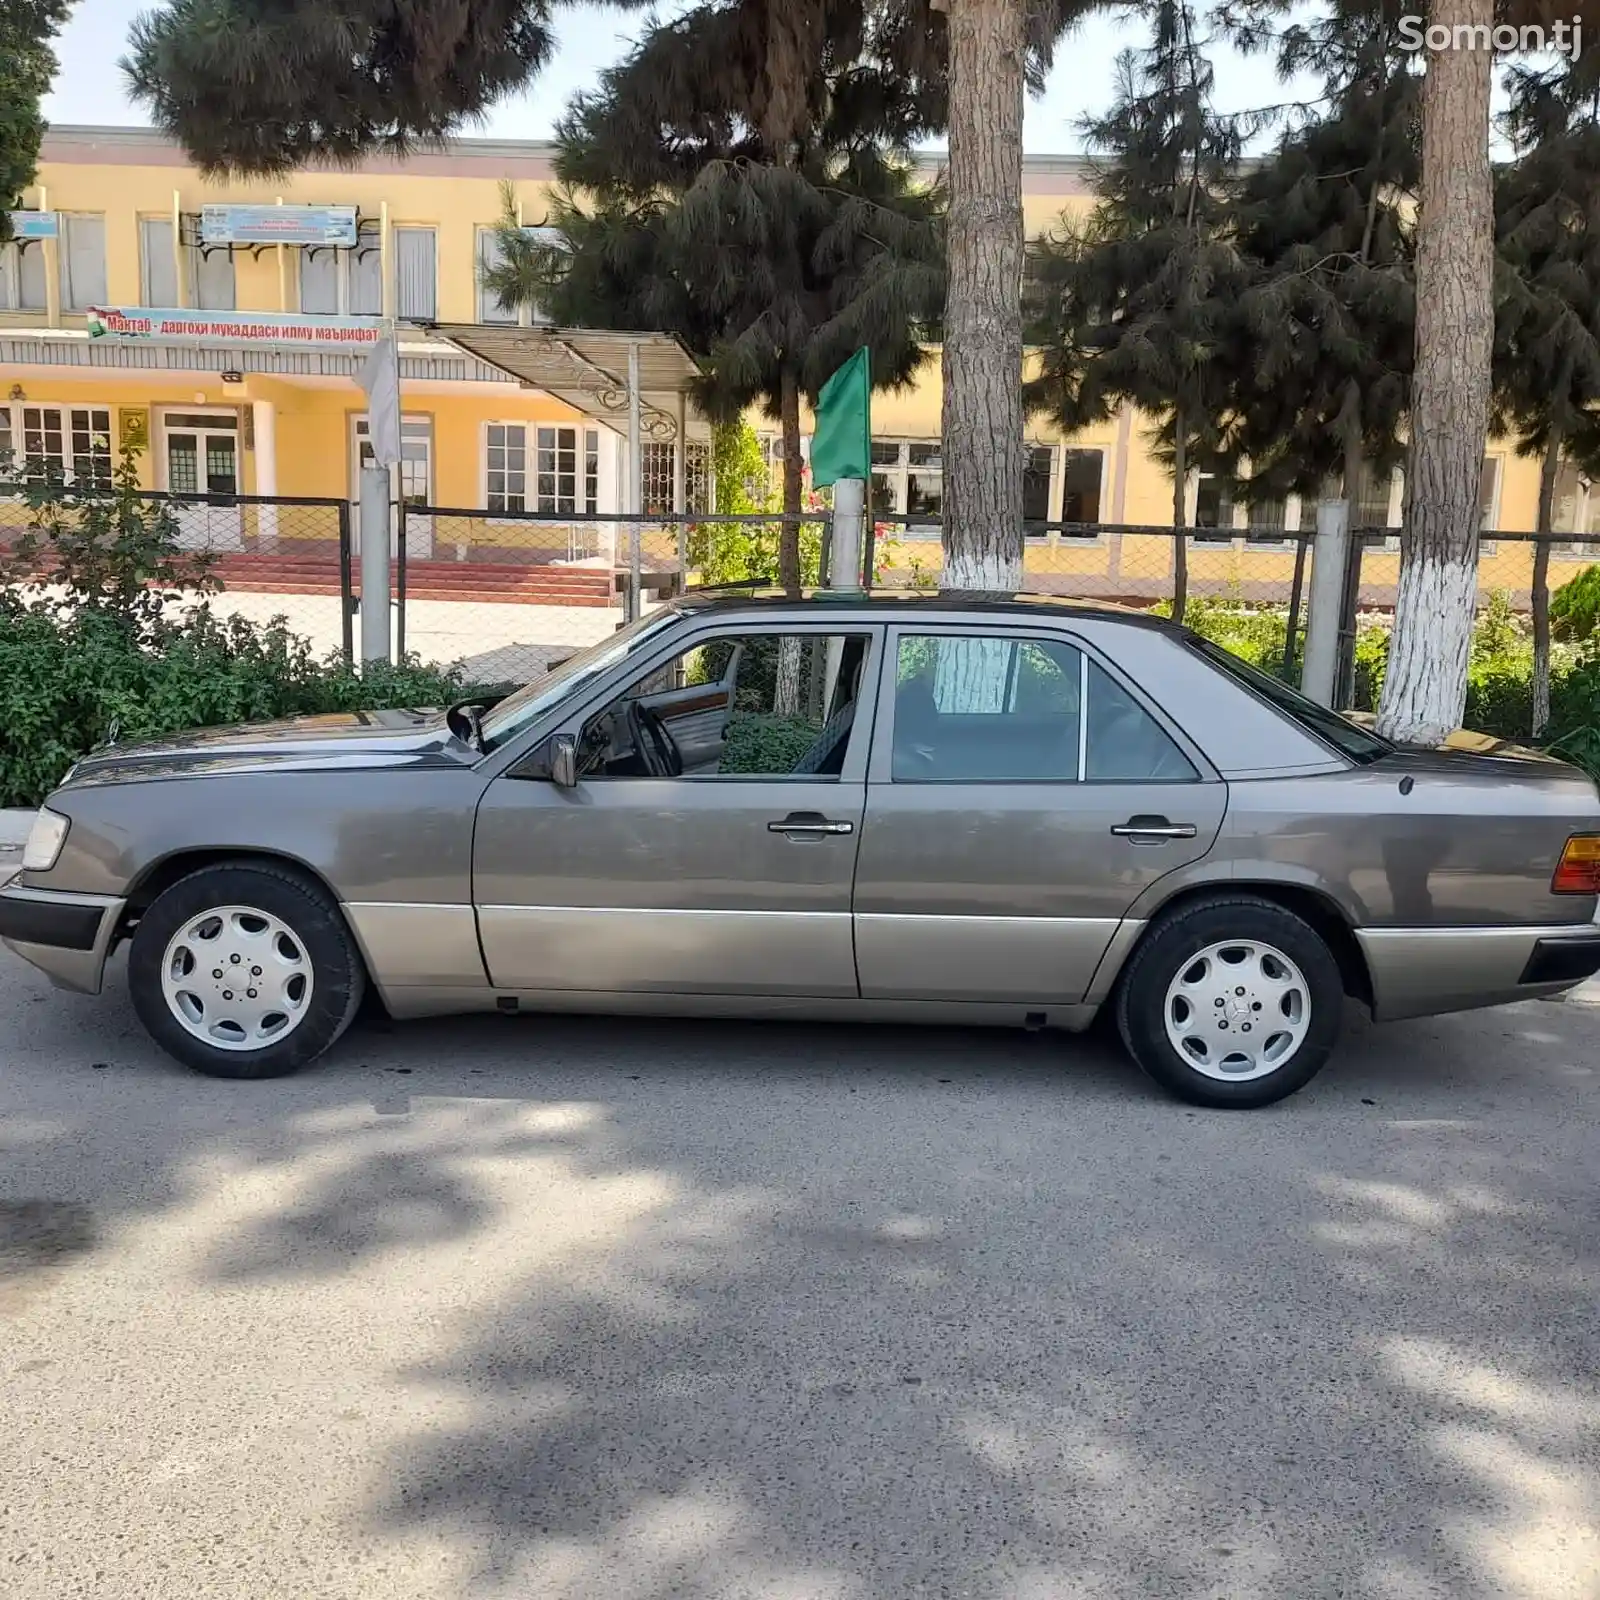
<point x="160" y="875"/>
<point x="1314" y="906"/>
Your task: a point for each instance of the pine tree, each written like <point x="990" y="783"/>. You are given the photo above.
<point x="1133" y="304"/>
<point x="1547" y="330"/>
<point x="263" y="86"/>
<point x="27" y="64"/>
<point x="1323" y="338"/>
<point x="770" y="256"/>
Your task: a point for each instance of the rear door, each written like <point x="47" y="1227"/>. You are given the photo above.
<point x="1021" y="796"/>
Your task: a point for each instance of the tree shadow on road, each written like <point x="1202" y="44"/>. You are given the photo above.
<point x="681" y="1309"/>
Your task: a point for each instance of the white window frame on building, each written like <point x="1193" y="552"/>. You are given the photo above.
<point x="416" y="456"/>
<point x="1234" y="526"/>
<point x="1576" y="510"/>
<point x="76" y="440"/>
<point x="537" y="467"/>
<point x="897" y="463"/>
<point x="1063" y="457"/>
<point x="158" y="263"/>
<point x="416" y="281"/>
<point x="81" y="260"/>
<point x="24" y="276"/>
<point x="355" y="276"/>
<point x="486" y="253"/>
<point x="213" y="283"/>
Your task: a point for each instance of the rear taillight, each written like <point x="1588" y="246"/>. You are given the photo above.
<point x="1578" y="871"/>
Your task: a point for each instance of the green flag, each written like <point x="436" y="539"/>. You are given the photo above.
<point x="841" y="447"/>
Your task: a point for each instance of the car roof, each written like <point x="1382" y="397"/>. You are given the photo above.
<point x="888" y="604"/>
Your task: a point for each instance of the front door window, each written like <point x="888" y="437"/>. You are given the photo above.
<point x="761" y="705"/>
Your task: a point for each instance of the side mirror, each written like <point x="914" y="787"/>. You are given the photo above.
<point x="564" y="761"/>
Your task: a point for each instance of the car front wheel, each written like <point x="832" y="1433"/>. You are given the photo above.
<point x="244" y="971"/>
<point x="1231" y="1002"/>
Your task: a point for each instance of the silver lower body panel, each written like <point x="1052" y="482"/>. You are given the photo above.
<point x="1421" y="972"/>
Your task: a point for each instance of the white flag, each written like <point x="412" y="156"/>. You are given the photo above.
<point x="380" y="377"/>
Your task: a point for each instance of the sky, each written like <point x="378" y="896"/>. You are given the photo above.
<point x="89" y="88"/>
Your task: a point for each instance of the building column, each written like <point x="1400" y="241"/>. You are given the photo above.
<point x="264" y="425"/>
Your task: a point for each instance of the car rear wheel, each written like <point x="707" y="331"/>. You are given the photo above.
<point x="244" y="971"/>
<point x="1231" y="1002"/>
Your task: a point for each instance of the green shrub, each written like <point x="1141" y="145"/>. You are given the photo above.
<point x="1575" y="607"/>
<point x="767" y="743"/>
<point x="67" y="683"/>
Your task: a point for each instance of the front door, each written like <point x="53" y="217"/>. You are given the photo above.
<point x="1020" y="799"/>
<point x="710" y="843"/>
<point x="202" y="458"/>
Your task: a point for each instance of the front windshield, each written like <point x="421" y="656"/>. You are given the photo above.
<point x="517" y="711"/>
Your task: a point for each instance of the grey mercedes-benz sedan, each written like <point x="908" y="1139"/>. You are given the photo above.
<point x="1006" y="811"/>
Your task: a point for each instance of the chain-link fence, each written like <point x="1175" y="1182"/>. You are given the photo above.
<point x="507" y="592"/>
<point x="266" y="555"/>
<point x="274" y="555"/>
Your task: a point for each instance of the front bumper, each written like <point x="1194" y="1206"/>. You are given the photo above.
<point x="1419" y="972"/>
<point x="66" y="936"/>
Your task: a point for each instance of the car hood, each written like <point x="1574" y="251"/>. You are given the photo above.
<point x="345" y="740"/>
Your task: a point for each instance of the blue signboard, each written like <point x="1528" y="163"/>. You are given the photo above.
<point x="335" y="225"/>
<point x="35" y="225"/>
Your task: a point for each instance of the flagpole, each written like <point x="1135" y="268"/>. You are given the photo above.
<point x="397" y="498"/>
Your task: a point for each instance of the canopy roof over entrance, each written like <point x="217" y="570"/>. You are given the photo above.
<point x="586" y="367"/>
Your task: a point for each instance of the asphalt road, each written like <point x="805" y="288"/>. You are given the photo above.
<point x="624" y="1311"/>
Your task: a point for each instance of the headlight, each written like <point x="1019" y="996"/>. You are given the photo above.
<point x="45" y="841"/>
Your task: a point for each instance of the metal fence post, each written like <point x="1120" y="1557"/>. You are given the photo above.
<point x="347" y="592"/>
<point x="1319" y="674"/>
<point x="400" y="556"/>
<point x="1296" y="593"/>
<point x="634" y="604"/>
<point x="374" y="564"/>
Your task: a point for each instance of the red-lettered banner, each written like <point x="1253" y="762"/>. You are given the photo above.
<point x="144" y="324"/>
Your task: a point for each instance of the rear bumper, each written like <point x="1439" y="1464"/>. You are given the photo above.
<point x="1418" y="972"/>
<point x="66" y="936"/>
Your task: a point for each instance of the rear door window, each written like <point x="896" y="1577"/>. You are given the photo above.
<point x="984" y="708"/>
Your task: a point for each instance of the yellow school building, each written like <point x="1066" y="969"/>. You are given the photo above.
<point x="118" y="219"/>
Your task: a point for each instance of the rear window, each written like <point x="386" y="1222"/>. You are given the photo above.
<point x="1358" y="744"/>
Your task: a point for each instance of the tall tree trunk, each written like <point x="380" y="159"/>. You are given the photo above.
<point x="983" y="451"/>
<point x="789" y="537"/>
<point x="787" y="693"/>
<point x="1548" y="469"/>
<point x="1344" y="680"/>
<point x="1425" y="688"/>
<point x="1180" y="510"/>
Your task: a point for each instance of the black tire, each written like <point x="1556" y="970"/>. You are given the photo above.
<point x="1173" y="943"/>
<point x="338" y="973"/>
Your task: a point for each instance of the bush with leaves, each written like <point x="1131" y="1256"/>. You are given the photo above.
<point x="767" y="742"/>
<point x="105" y="627"/>
<point x="1575" y="607"/>
<point x="66" y="683"/>
<point x="109" y="549"/>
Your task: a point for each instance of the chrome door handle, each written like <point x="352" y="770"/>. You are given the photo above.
<point x="1153" y="830"/>
<point x="808" y="825"/>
